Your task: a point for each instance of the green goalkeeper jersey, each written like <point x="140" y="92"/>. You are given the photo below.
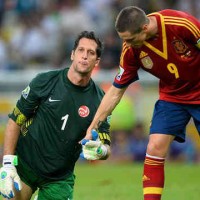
<point x="57" y="114"/>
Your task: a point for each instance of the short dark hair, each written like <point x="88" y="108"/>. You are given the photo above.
<point x="90" y="35"/>
<point x="131" y="19"/>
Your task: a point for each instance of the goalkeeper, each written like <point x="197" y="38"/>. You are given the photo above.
<point x="43" y="134"/>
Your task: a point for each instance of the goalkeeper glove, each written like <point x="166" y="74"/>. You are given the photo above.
<point x="93" y="149"/>
<point x="9" y="178"/>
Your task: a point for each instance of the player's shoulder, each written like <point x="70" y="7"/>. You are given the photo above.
<point x="49" y="74"/>
<point x="174" y="13"/>
<point x="127" y="54"/>
<point x="46" y="77"/>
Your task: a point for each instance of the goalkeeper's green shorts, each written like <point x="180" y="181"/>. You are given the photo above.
<point x="48" y="189"/>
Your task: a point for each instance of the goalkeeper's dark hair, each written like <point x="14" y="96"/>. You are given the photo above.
<point x="90" y="35"/>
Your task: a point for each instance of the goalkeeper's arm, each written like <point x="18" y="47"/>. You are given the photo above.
<point x="9" y="178"/>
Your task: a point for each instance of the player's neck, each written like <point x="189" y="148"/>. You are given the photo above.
<point x="77" y="78"/>
<point x="153" y="28"/>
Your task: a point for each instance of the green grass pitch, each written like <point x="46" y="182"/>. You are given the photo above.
<point x="105" y="181"/>
<point x="123" y="182"/>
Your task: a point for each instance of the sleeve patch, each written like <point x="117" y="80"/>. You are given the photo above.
<point x="25" y="92"/>
<point x="120" y="73"/>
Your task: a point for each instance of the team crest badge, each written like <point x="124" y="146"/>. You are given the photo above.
<point x="83" y="111"/>
<point x="147" y="62"/>
<point x="179" y="46"/>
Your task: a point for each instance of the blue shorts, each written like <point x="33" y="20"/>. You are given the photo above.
<point x="172" y="118"/>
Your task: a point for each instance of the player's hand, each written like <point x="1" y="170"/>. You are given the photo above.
<point x="89" y="135"/>
<point x="93" y="149"/>
<point x="94" y="135"/>
<point x="9" y="178"/>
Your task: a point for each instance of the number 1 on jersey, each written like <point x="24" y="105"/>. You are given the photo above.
<point x="64" y="118"/>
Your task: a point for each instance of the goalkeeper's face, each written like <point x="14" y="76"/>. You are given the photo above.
<point x="84" y="57"/>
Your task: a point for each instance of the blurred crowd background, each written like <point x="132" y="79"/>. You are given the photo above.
<point x="38" y="36"/>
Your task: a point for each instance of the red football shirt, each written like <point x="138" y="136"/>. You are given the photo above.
<point x="173" y="57"/>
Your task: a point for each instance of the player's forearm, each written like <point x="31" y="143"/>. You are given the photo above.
<point x="108" y="104"/>
<point x="11" y="137"/>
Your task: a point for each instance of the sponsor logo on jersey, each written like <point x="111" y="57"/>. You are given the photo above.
<point x="143" y="54"/>
<point x="83" y="111"/>
<point x="53" y="100"/>
<point x="25" y="92"/>
<point x="179" y="46"/>
<point x="120" y="73"/>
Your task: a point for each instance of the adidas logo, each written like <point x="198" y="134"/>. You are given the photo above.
<point x="145" y="178"/>
<point x="143" y="54"/>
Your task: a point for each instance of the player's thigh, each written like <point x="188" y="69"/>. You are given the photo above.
<point x="195" y="113"/>
<point x="170" y="119"/>
<point x="57" y="190"/>
<point x="24" y="194"/>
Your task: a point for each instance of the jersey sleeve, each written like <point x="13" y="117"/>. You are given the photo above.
<point x="30" y="98"/>
<point x="128" y="68"/>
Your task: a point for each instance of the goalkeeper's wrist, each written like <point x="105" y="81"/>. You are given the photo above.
<point x="10" y="160"/>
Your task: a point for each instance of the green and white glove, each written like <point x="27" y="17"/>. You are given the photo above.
<point x="93" y="149"/>
<point x="9" y="179"/>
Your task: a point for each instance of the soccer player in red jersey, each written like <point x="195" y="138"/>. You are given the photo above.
<point x="165" y="44"/>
